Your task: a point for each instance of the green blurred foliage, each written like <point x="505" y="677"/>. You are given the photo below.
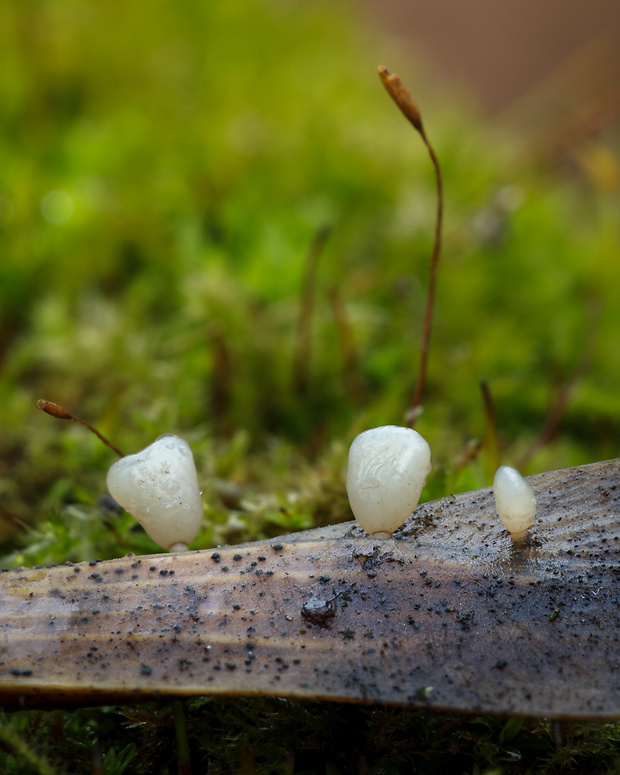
<point x="164" y="170"/>
<point x="158" y="197"/>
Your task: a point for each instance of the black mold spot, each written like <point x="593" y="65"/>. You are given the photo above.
<point x="318" y="611"/>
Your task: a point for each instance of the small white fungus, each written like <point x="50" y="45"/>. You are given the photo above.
<point x="515" y="501"/>
<point x="159" y="486"/>
<point x="387" y="470"/>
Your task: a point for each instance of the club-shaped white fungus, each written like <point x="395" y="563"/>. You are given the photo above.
<point x="159" y="487"/>
<point x="387" y="470"/>
<point x="515" y="501"/>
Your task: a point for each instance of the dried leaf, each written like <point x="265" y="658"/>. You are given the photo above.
<point x="452" y="615"/>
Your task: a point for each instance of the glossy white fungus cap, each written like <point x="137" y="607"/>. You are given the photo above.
<point x="387" y="470"/>
<point x="159" y="487"/>
<point x="514" y="500"/>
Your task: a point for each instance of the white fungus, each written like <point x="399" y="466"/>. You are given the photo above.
<point x="387" y="470"/>
<point x="159" y="487"/>
<point x="515" y="501"/>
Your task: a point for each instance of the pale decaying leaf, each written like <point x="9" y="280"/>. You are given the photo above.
<point x="450" y="615"/>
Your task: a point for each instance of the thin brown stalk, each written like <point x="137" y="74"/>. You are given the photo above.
<point x="222" y="379"/>
<point x="350" y="359"/>
<point x="555" y="414"/>
<point x="303" y="346"/>
<point x="180" y="728"/>
<point x="403" y="99"/>
<point x="491" y="441"/>
<point x="55" y="410"/>
<point x="560" y="404"/>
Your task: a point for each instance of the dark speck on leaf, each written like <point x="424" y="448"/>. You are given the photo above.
<point x="318" y="611"/>
<point x="216" y="557"/>
<point x="145" y="670"/>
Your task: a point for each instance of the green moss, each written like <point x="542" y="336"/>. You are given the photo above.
<point x="273" y="735"/>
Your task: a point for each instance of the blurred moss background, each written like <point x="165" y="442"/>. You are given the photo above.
<point x="165" y="171"/>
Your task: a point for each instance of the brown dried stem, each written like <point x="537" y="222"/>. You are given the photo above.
<point x="403" y="99"/>
<point x="301" y="358"/>
<point x="350" y="358"/>
<point x="55" y="410"/>
<point x="556" y="412"/>
<point x="491" y="440"/>
<point x="562" y="399"/>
